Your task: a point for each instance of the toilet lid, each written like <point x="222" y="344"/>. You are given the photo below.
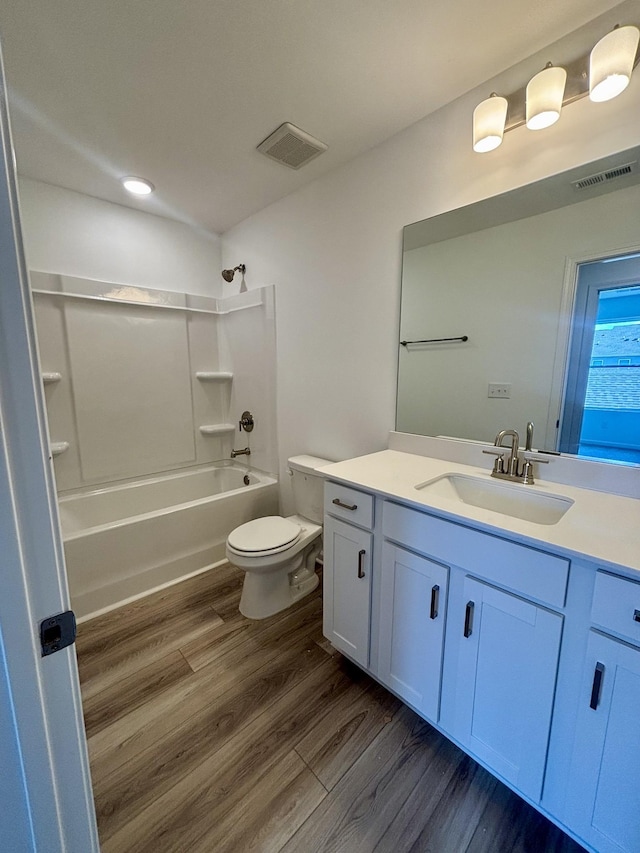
<point x="264" y="534"/>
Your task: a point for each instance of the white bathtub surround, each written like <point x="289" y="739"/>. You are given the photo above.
<point x="148" y="381"/>
<point x="127" y="540"/>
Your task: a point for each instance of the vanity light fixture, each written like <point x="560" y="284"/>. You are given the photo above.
<point x="488" y="123"/>
<point x="137" y="186"/>
<point x="611" y="63"/>
<point x="602" y="74"/>
<point x="545" y="93"/>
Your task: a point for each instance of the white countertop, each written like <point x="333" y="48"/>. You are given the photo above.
<point x="599" y="526"/>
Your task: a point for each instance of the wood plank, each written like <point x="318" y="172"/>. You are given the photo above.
<point x="225" y="758"/>
<point x="103" y="708"/>
<point x="180" y="817"/>
<point x="250" y="634"/>
<point x="106" y="667"/>
<point x="233" y="665"/>
<point x="356" y="813"/>
<point x="270" y="813"/>
<point x="149" y="773"/>
<point x="445" y="823"/>
<point x="407" y="824"/>
<point x="142" y="727"/>
<point x="336" y="742"/>
<point x="509" y="824"/>
<point x="127" y="621"/>
<point x="318" y="637"/>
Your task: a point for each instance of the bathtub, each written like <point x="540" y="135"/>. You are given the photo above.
<point x="127" y="540"/>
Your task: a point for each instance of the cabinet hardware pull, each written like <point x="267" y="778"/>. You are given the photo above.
<point x="361" y="563"/>
<point x="636" y="615"/>
<point x="468" y="618"/>
<point x="338" y="502"/>
<point x="596" y="687"/>
<point x="435" y="596"/>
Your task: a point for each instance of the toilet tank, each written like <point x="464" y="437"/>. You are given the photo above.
<point x="308" y="486"/>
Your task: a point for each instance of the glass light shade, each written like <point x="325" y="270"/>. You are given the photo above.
<point x="488" y="123"/>
<point x="545" y="92"/>
<point x="611" y="63"/>
<point x="137" y="186"/>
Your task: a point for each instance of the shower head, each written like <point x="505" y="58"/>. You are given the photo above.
<point x="227" y="275"/>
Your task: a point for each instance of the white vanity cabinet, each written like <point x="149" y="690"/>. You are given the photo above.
<point x="413" y="603"/>
<point x="348" y="546"/>
<point x="518" y="641"/>
<point x="604" y="800"/>
<point x="502" y="638"/>
<point x="507" y="662"/>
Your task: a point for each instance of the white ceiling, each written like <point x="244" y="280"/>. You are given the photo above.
<point x="182" y="92"/>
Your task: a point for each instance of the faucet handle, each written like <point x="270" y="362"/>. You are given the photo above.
<point x="498" y="465"/>
<point x="527" y="468"/>
<point x="533" y="457"/>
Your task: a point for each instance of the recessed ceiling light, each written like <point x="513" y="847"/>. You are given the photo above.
<point x="137" y="186"/>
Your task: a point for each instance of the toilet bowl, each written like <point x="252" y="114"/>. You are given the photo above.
<point x="277" y="554"/>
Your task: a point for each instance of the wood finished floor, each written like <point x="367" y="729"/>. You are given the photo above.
<point x="210" y="733"/>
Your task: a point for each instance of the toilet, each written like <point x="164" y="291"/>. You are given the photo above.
<point x="277" y="554"/>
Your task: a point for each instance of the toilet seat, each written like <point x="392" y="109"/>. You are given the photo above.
<point x="264" y="536"/>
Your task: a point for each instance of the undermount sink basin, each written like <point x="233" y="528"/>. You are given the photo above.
<point x="512" y="499"/>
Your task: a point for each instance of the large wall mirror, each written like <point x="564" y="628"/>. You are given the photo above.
<point x="526" y="307"/>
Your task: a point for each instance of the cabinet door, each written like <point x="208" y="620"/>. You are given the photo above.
<point x="505" y="683"/>
<point x="604" y="792"/>
<point x="347" y="588"/>
<point x="412" y="614"/>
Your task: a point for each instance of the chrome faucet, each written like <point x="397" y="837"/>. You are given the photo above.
<point x="511" y="470"/>
<point x="246" y="451"/>
<point x="529" y="443"/>
<point x="513" y="464"/>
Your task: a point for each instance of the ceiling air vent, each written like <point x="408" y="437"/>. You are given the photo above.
<point x="603" y="177"/>
<point x="291" y="146"/>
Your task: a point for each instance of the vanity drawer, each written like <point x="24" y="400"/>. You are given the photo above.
<point x="350" y="504"/>
<point x="616" y="605"/>
<point x="525" y="570"/>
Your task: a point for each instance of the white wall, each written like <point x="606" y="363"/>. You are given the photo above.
<point x="334" y="251"/>
<point x="73" y="234"/>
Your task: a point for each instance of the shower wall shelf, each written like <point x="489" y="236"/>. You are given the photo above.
<point x="58" y="447"/>
<point x="51" y="376"/>
<point x="217" y="429"/>
<point x="214" y="376"/>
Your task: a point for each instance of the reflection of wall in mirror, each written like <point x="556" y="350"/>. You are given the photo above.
<point x="503" y="287"/>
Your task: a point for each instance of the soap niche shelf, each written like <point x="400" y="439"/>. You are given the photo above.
<point x="50" y="376"/>
<point x="58" y="447"/>
<point x="217" y="429"/>
<point x="214" y="376"/>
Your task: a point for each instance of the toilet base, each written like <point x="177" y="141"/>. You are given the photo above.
<point x="268" y="594"/>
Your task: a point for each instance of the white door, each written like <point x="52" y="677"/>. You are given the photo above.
<point x="47" y="805"/>
<point x="347" y="588"/>
<point x="412" y="616"/>
<point x="505" y="681"/>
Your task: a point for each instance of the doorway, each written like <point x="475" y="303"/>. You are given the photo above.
<point x="601" y="411"/>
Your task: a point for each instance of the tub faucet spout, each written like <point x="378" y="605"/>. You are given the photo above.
<point x="246" y="451"/>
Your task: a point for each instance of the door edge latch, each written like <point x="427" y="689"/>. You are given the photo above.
<point x="57" y="632"/>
